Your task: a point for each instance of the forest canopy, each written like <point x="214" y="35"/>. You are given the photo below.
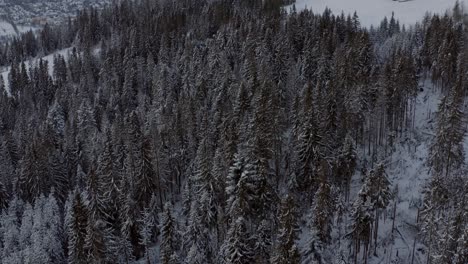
<point x="227" y="131"/>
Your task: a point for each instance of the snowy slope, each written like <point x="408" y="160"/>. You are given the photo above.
<point x="6" y="29"/>
<point x="408" y="173"/>
<point x="371" y="12"/>
<point x="49" y="58"/>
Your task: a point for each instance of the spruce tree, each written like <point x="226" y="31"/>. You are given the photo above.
<point x="11" y="233"/>
<point x="25" y="232"/>
<point x="345" y="165"/>
<point x="237" y="248"/>
<point x="446" y="152"/>
<point x="323" y="210"/>
<point x="4" y="197"/>
<point x="286" y="250"/>
<point x="169" y="245"/>
<point x="461" y="253"/>
<point x="77" y="231"/>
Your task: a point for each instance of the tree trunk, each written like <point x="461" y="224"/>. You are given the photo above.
<point x="394" y="216"/>
<point x="376" y="230"/>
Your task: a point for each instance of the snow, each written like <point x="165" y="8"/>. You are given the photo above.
<point x="4" y="74"/>
<point x="371" y="12"/>
<point x="408" y="172"/>
<point x="24" y="29"/>
<point x="49" y="58"/>
<point x="6" y="29"/>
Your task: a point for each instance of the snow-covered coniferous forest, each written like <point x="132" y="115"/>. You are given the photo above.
<point x="234" y="132"/>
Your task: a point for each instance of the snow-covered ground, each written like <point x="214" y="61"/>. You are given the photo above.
<point x="6" y="29"/>
<point x="408" y="173"/>
<point x="371" y="12"/>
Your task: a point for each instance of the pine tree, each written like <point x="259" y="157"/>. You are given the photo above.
<point x="323" y="210"/>
<point x="198" y="236"/>
<point x="4" y="197"/>
<point x="95" y="244"/>
<point x="262" y="240"/>
<point x="59" y="178"/>
<point x="98" y="231"/>
<point x="461" y="253"/>
<point x="361" y="227"/>
<point x="195" y="255"/>
<point x="237" y="248"/>
<point x="107" y="183"/>
<point x="147" y="222"/>
<point x="311" y="147"/>
<point x="345" y="165"/>
<point x="77" y="231"/>
<point x="169" y="244"/>
<point x="235" y="198"/>
<point x="446" y="152"/>
<point x="130" y="229"/>
<point x="10" y="233"/>
<point x="87" y="129"/>
<point x="286" y="250"/>
<point x="38" y="248"/>
<point x="52" y="235"/>
<point x="6" y="174"/>
<point x="313" y="253"/>
<point x="377" y="189"/>
<point x="67" y="219"/>
<point x="206" y="190"/>
<point x="25" y="232"/>
<point x="429" y="226"/>
<point x="33" y="177"/>
<point x="139" y="162"/>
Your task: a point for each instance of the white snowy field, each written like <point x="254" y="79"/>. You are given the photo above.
<point x="371" y="12"/>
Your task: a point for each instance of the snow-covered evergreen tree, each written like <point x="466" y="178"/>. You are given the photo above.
<point x="10" y="229"/>
<point x="286" y="249"/>
<point x="169" y="236"/>
<point x="237" y="248"/>
<point x="77" y="230"/>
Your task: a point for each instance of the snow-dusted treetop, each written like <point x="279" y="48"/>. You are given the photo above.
<point x="371" y="12"/>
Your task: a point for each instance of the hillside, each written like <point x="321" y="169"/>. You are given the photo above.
<point x="232" y="132"/>
<point x="17" y="16"/>
<point x="371" y="12"/>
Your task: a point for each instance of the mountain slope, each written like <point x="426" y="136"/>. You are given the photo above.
<point x="371" y="12"/>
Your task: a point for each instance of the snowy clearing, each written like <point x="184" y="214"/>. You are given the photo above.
<point x="371" y="12"/>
